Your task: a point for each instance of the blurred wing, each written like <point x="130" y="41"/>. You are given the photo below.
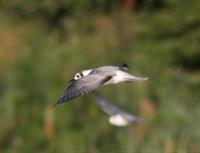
<point x="118" y="117"/>
<point x="82" y="86"/>
<point x="105" y="105"/>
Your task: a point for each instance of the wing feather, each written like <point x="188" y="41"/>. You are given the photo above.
<point x="117" y="116"/>
<point x="82" y="86"/>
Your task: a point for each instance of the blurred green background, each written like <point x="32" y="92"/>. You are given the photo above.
<point x="44" y="43"/>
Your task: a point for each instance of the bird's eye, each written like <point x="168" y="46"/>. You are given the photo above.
<point x="77" y="76"/>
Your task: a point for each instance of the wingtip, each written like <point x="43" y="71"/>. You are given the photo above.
<point x="60" y="100"/>
<point x="138" y="119"/>
<point x="54" y="105"/>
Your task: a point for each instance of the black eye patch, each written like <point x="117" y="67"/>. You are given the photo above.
<point x="81" y="74"/>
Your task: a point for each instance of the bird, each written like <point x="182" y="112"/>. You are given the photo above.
<point x="89" y="80"/>
<point x="118" y="117"/>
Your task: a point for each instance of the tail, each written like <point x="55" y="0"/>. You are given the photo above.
<point x="137" y="79"/>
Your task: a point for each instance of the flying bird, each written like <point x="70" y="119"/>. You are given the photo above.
<point x="89" y="80"/>
<point x="117" y="117"/>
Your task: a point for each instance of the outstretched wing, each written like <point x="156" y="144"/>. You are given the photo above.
<point x="118" y="117"/>
<point x="82" y="86"/>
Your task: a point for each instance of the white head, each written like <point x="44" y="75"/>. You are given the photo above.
<point x="78" y="76"/>
<point x="82" y="74"/>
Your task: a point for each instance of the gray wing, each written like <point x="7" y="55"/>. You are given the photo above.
<point x="82" y="86"/>
<point x="117" y="116"/>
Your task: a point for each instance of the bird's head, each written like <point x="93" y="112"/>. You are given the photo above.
<point x="78" y="75"/>
<point x="82" y="74"/>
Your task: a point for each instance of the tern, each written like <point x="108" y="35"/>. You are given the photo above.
<point x="89" y="80"/>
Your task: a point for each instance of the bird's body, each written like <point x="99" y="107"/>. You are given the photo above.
<point x="89" y="80"/>
<point x="116" y="74"/>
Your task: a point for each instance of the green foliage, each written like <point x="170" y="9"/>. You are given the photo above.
<point x="38" y="59"/>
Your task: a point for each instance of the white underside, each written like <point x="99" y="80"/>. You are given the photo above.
<point x="120" y="76"/>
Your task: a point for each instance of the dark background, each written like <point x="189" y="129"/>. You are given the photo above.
<point x="44" y="43"/>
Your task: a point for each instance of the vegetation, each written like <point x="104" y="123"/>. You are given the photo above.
<point x="43" y="44"/>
